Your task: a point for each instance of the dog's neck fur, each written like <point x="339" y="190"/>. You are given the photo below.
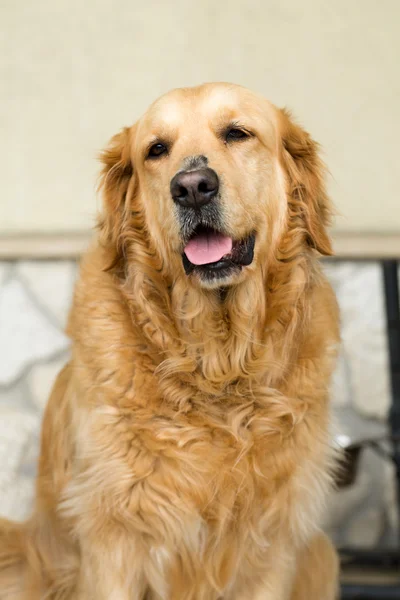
<point x="251" y="333"/>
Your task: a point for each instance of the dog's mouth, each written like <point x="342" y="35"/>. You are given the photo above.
<point x="212" y="254"/>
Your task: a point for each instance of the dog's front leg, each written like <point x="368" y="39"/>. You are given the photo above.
<point x="317" y="572"/>
<point x="313" y="575"/>
<point x="278" y="585"/>
<point x="275" y="582"/>
<point x="110" y="570"/>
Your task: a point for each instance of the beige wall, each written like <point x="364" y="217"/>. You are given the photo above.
<point x="72" y="73"/>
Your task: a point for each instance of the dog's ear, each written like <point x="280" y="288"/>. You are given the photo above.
<point x="306" y="180"/>
<point x="116" y="183"/>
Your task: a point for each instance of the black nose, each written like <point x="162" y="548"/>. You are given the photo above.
<point x="194" y="188"/>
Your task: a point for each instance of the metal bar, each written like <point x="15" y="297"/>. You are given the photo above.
<point x="370" y="592"/>
<point x="392" y="305"/>
<point x="380" y="558"/>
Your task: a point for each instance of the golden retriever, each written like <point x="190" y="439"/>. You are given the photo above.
<point x="185" y="448"/>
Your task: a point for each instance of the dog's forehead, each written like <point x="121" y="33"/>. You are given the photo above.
<point x="230" y="98"/>
<point x="209" y="101"/>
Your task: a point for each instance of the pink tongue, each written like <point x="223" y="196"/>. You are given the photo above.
<point x="208" y="248"/>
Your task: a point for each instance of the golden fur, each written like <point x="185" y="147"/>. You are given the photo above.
<point x="185" y="447"/>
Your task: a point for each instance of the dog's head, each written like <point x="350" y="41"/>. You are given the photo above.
<point x="218" y="175"/>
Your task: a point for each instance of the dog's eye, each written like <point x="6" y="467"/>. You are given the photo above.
<point x="156" y="150"/>
<point x="234" y="134"/>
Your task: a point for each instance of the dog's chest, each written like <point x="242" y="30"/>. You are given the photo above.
<point x="204" y="490"/>
<point x="197" y="494"/>
<point x="183" y="473"/>
<point x="200" y="464"/>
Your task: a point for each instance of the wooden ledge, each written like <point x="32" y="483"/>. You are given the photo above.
<point x="366" y="246"/>
<point x="43" y="245"/>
